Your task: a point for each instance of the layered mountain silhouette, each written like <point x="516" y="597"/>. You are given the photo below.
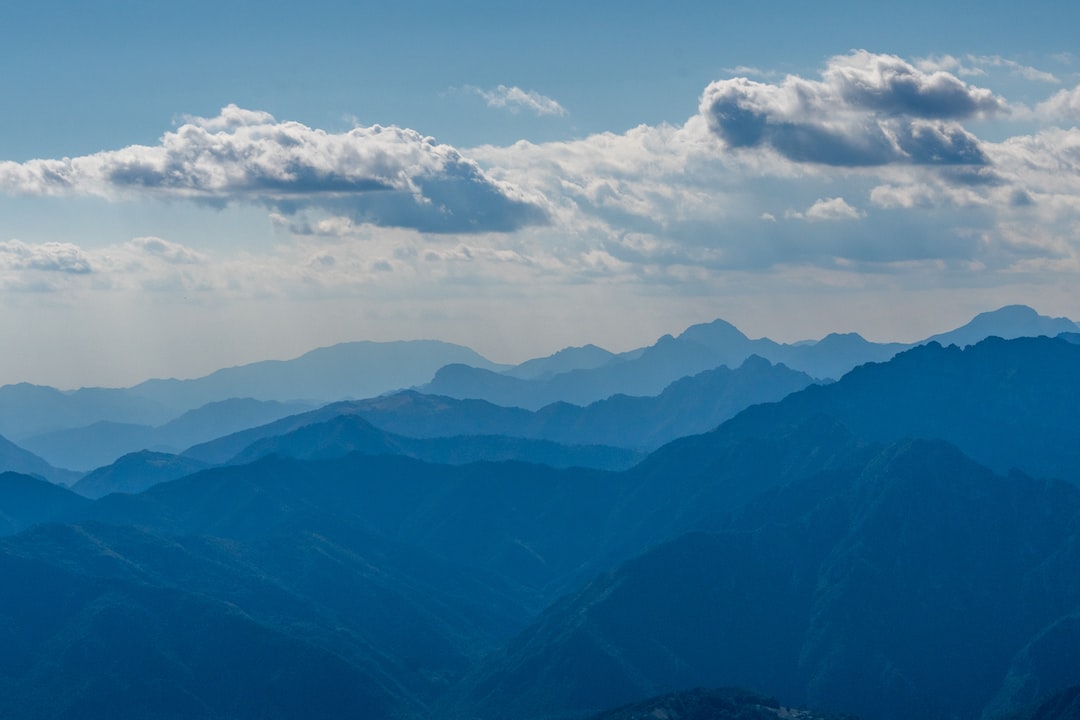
<point x="103" y="442"/>
<point x="900" y="543"/>
<point x="901" y="586"/>
<point x="136" y="472"/>
<point x="16" y="459"/>
<point x="348" y="370"/>
<point x="709" y="345"/>
<point x="691" y="405"/>
<point x="366" y="369"/>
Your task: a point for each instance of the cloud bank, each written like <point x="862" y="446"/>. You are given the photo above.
<point x="385" y="176"/>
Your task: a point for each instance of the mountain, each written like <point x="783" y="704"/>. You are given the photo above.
<point x="348" y="370"/>
<point x="709" y="345"/>
<point x="27" y="410"/>
<point x="691" y="405"/>
<point x="16" y="459"/>
<point x="349" y="433"/>
<point x="1063" y="705"/>
<point x="117" y="622"/>
<point x="135" y="472"/>
<point x="26" y="501"/>
<point x="900" y="586"/>
<point x="1006" y="403"/>
<point x="846" y="548"/>
<point x="565" y="360"/>
<point x="101" y="443"/>
<point x="1011" y="321"/>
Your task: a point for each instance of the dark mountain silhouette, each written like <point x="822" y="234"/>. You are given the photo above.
<point x="103" y="442"/>
<point x="27" y="500"/>
<point x="135" y="472"/>
<point x="1063" y="705"/>
<point x="899" y="587"/>
<point x="125" y="623"/>
<point x="709" y="345"/>
<point x="349" y="433"/>
<point x="1006" y="403"/>
<point x="691" y="405"/>
<point x="16" y="459"/>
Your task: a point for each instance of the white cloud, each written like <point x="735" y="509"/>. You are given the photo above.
<point x="830" y="209"/>
<point x="515" y="99"/>
<point x="1063" y="105"/>
<point x="46" y="257"/>
<point x="380" y="175"/>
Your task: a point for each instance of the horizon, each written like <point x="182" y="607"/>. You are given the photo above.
<point x="507" y="180"/>
<point x="752" y="336"/>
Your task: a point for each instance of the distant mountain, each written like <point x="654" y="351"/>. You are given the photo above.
<point x="1011" y="321"/>
<point x="348" y="370"/>
<point x="709" y="345"/>
<point x="691" y="405"/>
<point x="101" y="443"/>
<point x="27" y="410"/>
<point x="135" y="472"/>
<point x="350" y="433"/>
<point x="26" y="501"/>
<point x="16" y="459"/>
<point x="565" y="360"/>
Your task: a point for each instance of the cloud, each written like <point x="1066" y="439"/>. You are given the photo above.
<point x="1063" y="105"/>
<point x="47" y="257"/>
<point x="515" y="99"/>
<point x="386" y="176"/>
<point x="867" y="110"/>
<point x="1015" y="68"/>
<point x="974" y="65"/>
<point x="829" y="209"/>
<point x="166" y="251"/>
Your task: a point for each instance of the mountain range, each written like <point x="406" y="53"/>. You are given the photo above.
<point x="368" y="369"/>
<point x="902" y="542"/>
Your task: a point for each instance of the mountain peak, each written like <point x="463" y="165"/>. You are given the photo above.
<point x="1008" y="322"/>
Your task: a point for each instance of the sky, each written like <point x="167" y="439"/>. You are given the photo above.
<point x="196" y="185"/>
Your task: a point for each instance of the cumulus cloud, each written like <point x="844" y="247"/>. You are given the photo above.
<point x="1063" y="105"/>
<point x="515" y="100"/>
<point x="48" y="257"/>
<point x="379" y="175"/>
<point x="866" y="110"/>
<point x="829" y="209"/>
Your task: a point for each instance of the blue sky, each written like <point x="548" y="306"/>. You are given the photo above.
<point x="189" y="186"/>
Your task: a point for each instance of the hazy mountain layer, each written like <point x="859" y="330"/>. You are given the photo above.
<point x="97" y="445"/>
<point x="16" y="459"/>
<point x="705" y="346"/>
<point x="691" y="405"/>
